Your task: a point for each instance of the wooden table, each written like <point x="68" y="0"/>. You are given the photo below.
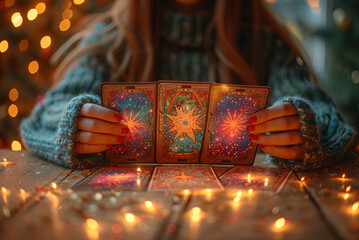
<point x="319" y="207"/>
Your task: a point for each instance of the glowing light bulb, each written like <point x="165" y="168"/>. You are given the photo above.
<point x="16" y="19"/>
<point x="13" y="94"/>
<point x="279" y="223"/>
<point x="346" y="196"/>
<point x="13" y="110"/>
<point x="348" y="188"/>
<point x="266" y="182"/>
<point x="138" y="169"/>
<point x="67" y="14"/>
<point x="130" y="218"/>
<point x="16" y="146"/>
<point x="186" y="192"/>
<point x="33" y="67"/>
<point x="302" y="179"/>
<point x="92" y="223"/>
<point x="148" y="204"/>
<point x="78" y="2"/>
<point x="53" y="185"/>
<point x="32" y="14"/>
<point x="45" y="42"/>
<point x="65" y="25"/>
<point x="249" y="177"/>
<point x="343" y="176"/>
<point x="250" y="191"/>
<point x="40" y="7"/>
<point x="4" y="45"/>
<point x="355" y="206"/>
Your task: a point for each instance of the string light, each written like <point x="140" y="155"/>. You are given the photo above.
<point x="78" y="2"/>
<point x="40" y="7"/>
<point x="16" y="146"/>
<point x="45" y="42"/>
<point x="16" y="19"/>
<point x="65" y="25"/>
<point x="4" y="45"/>
<point x="279" y="223"/>
<point x="23" y="45"/>
<point x="355" y="206"/>
<point x="67" y="14"/>
<point x="32" y="14"/>
<point x="13" y="110"/>
<point x="33" y="67"/>
<point x="13" y="94"/>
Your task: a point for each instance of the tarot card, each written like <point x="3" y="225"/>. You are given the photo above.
<point x="184" y="177"/>
<point x="226" y="140"/>
<point x="119" y="177"/>
<point x="181" y="119"/>
<point x="256" y="178"/>
<point x="136" y="102"/>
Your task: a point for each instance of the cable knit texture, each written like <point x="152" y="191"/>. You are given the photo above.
<point x="51" y="129"/>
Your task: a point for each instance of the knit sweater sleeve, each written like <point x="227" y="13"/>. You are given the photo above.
<point x="325" y="136"/>
<point x="50" y="130"/>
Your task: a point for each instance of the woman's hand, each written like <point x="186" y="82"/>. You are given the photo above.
<point x="98" y="129"/>
<point x="282" y="122"/>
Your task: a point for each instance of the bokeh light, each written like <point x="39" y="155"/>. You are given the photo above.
<point x="23" y="45"/>
<point x="67" y="14"/>
<point x="13" y="94"/>
<point x="16" y="19"/>
<point x="33" y="67"/>
<point x="65" y="25"/>
<point x="78" y="2"/>
<point x="32" y="14"/>
<point x="4" y="45"/>
<point x="9" y="3"/>
<point x="45" y="42"/>
<point x="16" y="146"/>
<point x="40" y="7"/>
<point x="13" y="110"/>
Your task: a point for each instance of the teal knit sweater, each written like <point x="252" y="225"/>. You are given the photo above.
<point x="51" y="129"/>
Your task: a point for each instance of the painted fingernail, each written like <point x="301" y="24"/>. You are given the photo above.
<point x="261" y="146"/>
<point x="118" y="117"/>
<point x="251" y="128"/>
<point x="125" y="130"/>
<point x="120" y="138"/>
<point x="254" y="137"/>
<point x="252" y="119"/>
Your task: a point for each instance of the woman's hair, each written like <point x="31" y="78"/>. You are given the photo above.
<point x="132" y="34"/>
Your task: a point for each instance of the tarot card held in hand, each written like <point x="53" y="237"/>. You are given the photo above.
<point x="184" y="177"/>
<point x="256" y="178"/>
<point x="181" y="120"/>
<point x="120" y="177"/>
<point x="226" y="140"/>
<point x="136" y="103"/>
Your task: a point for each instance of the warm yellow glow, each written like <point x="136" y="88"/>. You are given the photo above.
<point x="13" y="94"/>
<point x="23" y="194"/>
<point x="250" y="191"/>
<point x="237" y="199"/>
<point x="302" y="179"/>
<point x="249" y="177"/>
<point x="4" y="45"/>
<point x="355" y="206"/>
<point x="313" y="3"/>
<point x="65" y="25"/>
<point x="266" y="182"/>
<point x="196" y="211"/>
<point x="186" y="192"/>
<point x="348" y="188"/>
<point x="78" y="2"/>
<point x="23" y="45"/>
<point x="130" y="218"/>
<point x="239" y="193"/>
<point x="13" y="110"/>
<point x="32" y="14"/>
<point x="4" y="194"/>
<point x="92" y="223"/>
<point x="9" y="3"/>
<point x="45" y="41"/>
<point x="40" y="7"/>
<point x="279" y="223"/>
<point x="343" y="176"/>
<point x="346" y="196"/>
<point x="53" y="185"/>
<point x="138" y="169"/>
<point x="16" y="19"/>
<point x="16" y="146"/>
<point x="148" y="204"/>
<point x="33" y="67"/>
<point x="67" y="14"/>
<point x="138" y="181"/>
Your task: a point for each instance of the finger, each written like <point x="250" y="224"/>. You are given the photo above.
<point x="278" y="124"/>
<point x="98" y="138"/>
<point x="285" y="152"/>
<point x="88" y="148"/>
<point x="276" y="111"/>
<point x="285" y="138"/>
<point x="96" y="111"/>
<point x="100" y="126"/>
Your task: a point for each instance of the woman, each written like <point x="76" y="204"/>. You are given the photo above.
<point x="188" y="40"/>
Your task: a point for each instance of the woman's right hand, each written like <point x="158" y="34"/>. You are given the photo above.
<point x="98" y="129"/>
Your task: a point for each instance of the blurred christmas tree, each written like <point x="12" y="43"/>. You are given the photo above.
<point x="342" y="40"/>
<point x="31" y="31"/>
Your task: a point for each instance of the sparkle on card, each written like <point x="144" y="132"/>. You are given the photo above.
<point x="229" y="137"/>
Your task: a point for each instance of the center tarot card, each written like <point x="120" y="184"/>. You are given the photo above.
<point x="181" y="115"/>
<point x="226" y="140"/>
<point x="119" y="177"/>
<point x="136" y="102"/>
<point x="256" y="178"/>
<point x="184" y="177"/>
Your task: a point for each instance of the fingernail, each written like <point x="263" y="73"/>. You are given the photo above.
<point x="109" y="145"/>
<point x="251" y="128"/>
<point x="120" y="138"/>
<point x="118" y="117"/>
<point x="252" y="119"/>
<point x="254" y="137"/>
<point x="261" y="146"/>
<point x="125" y="130"/>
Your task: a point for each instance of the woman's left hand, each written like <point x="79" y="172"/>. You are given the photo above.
<point x="282" y="122"/>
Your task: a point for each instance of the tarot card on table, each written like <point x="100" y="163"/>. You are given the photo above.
<point x="136" y="103"/>
<point x="120" y="177"/>
<point x="226" y="140"/>
<point x="184" y="177"/>
<point x="181" y="119"/>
